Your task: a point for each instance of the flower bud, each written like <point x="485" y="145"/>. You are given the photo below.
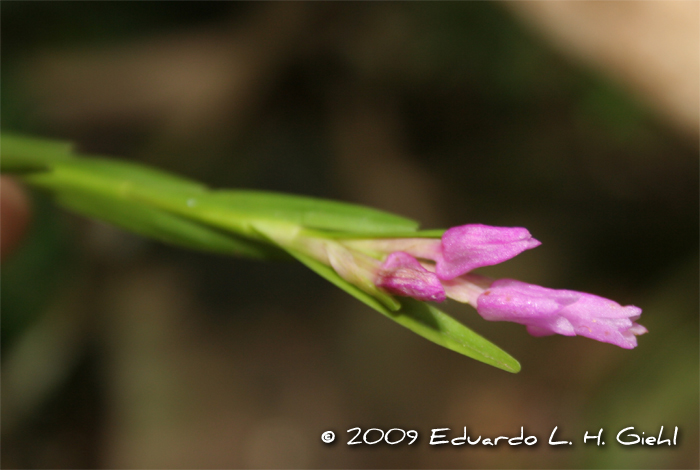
<point x="402" y="274"/>
<point x="468" y="247"/>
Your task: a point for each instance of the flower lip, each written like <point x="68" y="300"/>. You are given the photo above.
<point x="468" y="247"/>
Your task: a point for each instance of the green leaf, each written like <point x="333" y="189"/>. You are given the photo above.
<point x="433" y="324"/>
<point x="133" y="176"/>
<point x="240" y="210"/>
<point x="313" y="213"/>
<point x="24" y="154"/>
<point x="104" y="175"/>
<point x="164" y="226"/>
<point x="224" y="208"/>
<point x="230" y="210"/>
<point x="425" y="320"/>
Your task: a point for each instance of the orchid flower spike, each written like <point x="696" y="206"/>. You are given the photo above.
<point x="433" y="270"/>
<point x="436" y="269"/>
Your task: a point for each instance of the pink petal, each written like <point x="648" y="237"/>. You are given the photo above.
<point x="548" y="311"/>
<point x="469" y="247"/>
<point x="402" y="274"/>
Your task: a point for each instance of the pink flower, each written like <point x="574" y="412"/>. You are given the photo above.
<point x="444" y="272"/>
<point x="461" y="249"/>
<point x="402" y="274"/>
<point x="468" y="247"/>
<point x="433" y="270"/>
<point x="548" y="311"/>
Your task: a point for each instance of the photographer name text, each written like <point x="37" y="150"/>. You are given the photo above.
<point x="629" y="436"/>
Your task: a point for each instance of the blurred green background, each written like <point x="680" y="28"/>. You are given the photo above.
<point x="122" y="352"/>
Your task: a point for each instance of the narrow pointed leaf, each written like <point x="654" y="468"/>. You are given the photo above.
<point x="114" y="176"/>
<point x="232" y="210"/>
<point x="239" y="210"/>
<point x="164" y="226"/>
<point x="313" y="213"/>
<point x="433" y="324"/>
<point x="425" y="320"/>
<point x="25" y="154"/>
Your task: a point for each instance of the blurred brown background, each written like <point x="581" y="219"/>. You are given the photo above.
<point x="577" y="120"/>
